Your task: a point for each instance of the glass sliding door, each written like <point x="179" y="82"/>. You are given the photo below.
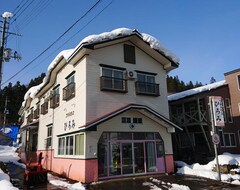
<point x="127" y="158"/>
<point x="151" y="157"/>
<point x="114" y="159"/>
<point x="139" y="158"/>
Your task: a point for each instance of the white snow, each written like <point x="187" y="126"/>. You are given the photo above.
<point x="8" y="154"/>
<point x="206" y="170"/>
<point x="196" y="90"/>
<point x="7" y="15"/>
<point x="6" y="130"/>
<point x="154" y="43"/>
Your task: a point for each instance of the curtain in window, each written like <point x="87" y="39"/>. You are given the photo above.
<point x="79" y="144"/>
<point x="150" y="157"/>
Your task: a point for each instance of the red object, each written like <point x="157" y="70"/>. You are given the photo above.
<point x="34" y="173"/>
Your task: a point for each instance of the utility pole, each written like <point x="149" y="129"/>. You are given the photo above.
<point x="5" y="53"/>
<point x="5" y="114"/>
<point x="4" y="28"/>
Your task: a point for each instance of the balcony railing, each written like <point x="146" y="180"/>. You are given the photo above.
<point x="36" y="113"/>
<point x="54" y="100"/>
<point x="44" y="108"/>
<point x="113" y="84"/>
<point x="69" y="91"/>
<point x="146" y="88"/>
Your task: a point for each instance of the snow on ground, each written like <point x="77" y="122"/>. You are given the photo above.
<point x="206" y="170"/>
<point x="8" y="155"/>
<point x="170" y="186"/>
<point x="61" y="182"/>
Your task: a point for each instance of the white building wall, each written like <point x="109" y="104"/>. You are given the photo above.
<point x="115" y="125"/>
<point x="100" y="102"/>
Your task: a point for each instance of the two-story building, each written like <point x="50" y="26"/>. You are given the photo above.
<point x="190" y="110"/>
<point x="102" y="109"/>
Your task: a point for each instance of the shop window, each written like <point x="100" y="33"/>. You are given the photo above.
<point x="113" y="80"/>
<point x="129" y="54"/>
<point x="61" y="146"/>
<point x="146" y="85"/>
<point x="79" y="144"/>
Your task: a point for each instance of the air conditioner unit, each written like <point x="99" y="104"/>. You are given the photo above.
<point x="131" y="74"/>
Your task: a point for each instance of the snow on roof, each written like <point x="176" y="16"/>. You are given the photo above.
<point x="35" y="89"/>
<point x="154" y="43"/>
<point x="196" y="90"/>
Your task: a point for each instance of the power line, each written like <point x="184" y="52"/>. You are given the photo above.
<point x="52" y="43"/>
<point x="69" y="38"/>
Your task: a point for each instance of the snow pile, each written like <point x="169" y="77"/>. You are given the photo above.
<point x="153" y="42"/>
<point x="61" y="182"/>
<point x="196" y="90"/>
<point x="206" y="170"/>
<point x="8" y="154"/>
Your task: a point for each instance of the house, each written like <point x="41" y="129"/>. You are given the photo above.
<point x="102" y="109"/>
<point x="190" y="110"/>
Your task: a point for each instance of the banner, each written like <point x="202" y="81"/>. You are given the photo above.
<point x="217" y="108"/>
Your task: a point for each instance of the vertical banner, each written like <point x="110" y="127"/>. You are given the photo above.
<point x="217" y="108"/>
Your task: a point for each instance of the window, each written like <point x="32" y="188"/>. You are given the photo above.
<point x="61" y="146"/>
<point x="36" y="112"/>
<point x="113" y="80"/>
<point x="126" y="120"/>
<point x="230" y="140"/>
<point x="238" y="79"/>
<point x="137" y="120"/>
<point x="44" y="108"/>
<point x="146" y="85"/>
<point x="54" y="99"/>
<point x="69" y="90"/>
<point x="228" y="110"/>
<point x="49" y="137"/>
<point x="79" y="142"/>
<point x="129" y="54"/>
<point x="221" y="136"/>
<point x="71" y="145"/>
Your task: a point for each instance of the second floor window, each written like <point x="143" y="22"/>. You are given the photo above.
<point x="113" y="80"/>
<point x="44" y="108"/>
<point x="228" y="110"/>
<point x="146" y="85"/>
<point x="69" y="90"/>
<point x="54" y="99"/>
<point x="36" y="112"/>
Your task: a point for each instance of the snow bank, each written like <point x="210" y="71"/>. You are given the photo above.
<point x="153" y="42"/>
<point x="5" y="182"/>
<point x="206" y="170"/>
<point x="196" y="90"/>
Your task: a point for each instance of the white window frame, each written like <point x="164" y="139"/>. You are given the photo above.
<point x="229" y="134"/>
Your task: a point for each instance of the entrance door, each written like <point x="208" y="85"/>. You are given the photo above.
<point x="139" y="158"/>
<point x="127" y="158"/>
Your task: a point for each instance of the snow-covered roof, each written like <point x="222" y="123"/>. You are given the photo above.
<point x="196" y="90"/>
<point x="66" y="54"/>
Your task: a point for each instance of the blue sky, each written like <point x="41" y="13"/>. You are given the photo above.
<point x="204" y="34"/>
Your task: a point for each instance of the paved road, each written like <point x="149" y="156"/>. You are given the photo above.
<point x="162" y="182"/>
<point x="157" y="182"/>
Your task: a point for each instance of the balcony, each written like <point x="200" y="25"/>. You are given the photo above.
<point x="113" y="84"/>
<point x="69" y="91"/>
<point x="145" y="88"/>
<point x="36" y="113"/>
<point x="54" y="100"/>
<point x="44" y="108"/>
